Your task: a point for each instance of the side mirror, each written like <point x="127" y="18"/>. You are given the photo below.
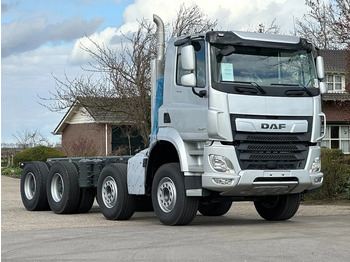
<point x="188" y="58"/>
<point x="323" y="88"/>
<point x="189" y="80"/>
<point x="320" y="68"/>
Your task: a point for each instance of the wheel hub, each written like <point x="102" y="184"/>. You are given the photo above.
<point x="30" y="186"/>
<point x="109" y="192"/>
<point x="166" y="194"/>
<point x="57" y="187"/>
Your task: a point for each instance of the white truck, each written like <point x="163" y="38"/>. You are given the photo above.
<point x="237" y="117"/>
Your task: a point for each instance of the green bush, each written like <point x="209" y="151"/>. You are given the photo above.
<point x="39" y="153"/>
<point x="336" y="170"/>
<point x="12" y="171"/>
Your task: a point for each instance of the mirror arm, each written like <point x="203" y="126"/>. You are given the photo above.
<point x="201" y="93"/>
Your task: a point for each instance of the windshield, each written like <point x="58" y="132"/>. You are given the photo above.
<point x="263" y="66"/>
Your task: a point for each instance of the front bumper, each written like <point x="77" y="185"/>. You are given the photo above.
<point x="259" y="182"/>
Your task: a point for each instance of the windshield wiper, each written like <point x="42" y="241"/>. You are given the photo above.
<point x="255" y="86"/>
<point x="296" y="85"/>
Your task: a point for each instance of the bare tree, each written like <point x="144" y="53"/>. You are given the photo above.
<point x="272" y="29"/>
<point x="340" y="19"/>
<point x="328" y="25"/>
<point x="82" y="146"/>
<point x="26" y="138"/>
<point x="121" y="79"/>
<point x="191" y="20"/>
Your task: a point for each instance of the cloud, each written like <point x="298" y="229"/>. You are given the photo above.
<point x="5" y="7"/>
<point x="231" y="14"/>
<point x="24" y="35"/>
<point x="108" y="37"/>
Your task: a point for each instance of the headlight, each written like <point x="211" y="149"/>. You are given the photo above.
<point x="221" y="164"/>
<point x="316" y="165"/>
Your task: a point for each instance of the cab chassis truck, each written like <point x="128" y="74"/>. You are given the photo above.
<point x="236" y="117"/>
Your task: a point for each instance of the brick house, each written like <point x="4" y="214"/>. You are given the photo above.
<point x="88" y="131"/>
<point x="336" y="103"/>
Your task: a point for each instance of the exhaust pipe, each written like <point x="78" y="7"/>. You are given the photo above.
<point x="160" y="37"/>
<point x="157" y="71"/>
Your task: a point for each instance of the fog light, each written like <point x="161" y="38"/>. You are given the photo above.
<point x="318" y="180"/>
<point x="316" y="165"/>
<point x="223" y="181"/>
<point x="221" y="164"/>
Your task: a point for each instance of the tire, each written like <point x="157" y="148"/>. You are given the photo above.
<point x="276" y="208"/>
<point x="33" y="186"/>
<point x="86" y="197"/>
<point x="63" y="188"/>
<point x="214" y="208"/>
<point x="112" y="193"/>
<point x="169" y="199"/>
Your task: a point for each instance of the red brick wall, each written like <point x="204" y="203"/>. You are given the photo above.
<point x="86" y="139"/>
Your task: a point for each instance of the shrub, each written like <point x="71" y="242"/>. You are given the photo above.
<point x="336" y="170"/>
<point x="12" y="171"/>
<point x="39" y="153"/>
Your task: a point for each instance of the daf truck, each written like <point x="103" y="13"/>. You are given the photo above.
<point x="236" y="117"/>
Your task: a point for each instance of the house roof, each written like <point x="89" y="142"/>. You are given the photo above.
<point x="337" y="112"/>
<point x="101" y="109"/>
<point x="336" y="97"/>
<point x="334" y="60"/>
<point x="89" y="110"/>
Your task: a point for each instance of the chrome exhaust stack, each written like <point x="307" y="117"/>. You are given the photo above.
<point x="160" y="37"/>
<point x="157" y="65"/>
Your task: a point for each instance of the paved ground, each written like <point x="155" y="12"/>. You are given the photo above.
<point x="316" y="233"/>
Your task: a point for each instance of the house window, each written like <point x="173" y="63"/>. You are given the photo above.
<point x="335" y="83"/>
<point x="338" y="137"/>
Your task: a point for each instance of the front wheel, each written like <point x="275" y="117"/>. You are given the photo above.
<point x="281" y="207"/>
<point x="215" y="208"/>
<point x="169" y="199"/>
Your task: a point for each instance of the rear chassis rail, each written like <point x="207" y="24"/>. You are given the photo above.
<point x="89" y="168"/>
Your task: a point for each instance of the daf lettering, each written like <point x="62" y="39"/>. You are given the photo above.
<point x="272" y="126"/>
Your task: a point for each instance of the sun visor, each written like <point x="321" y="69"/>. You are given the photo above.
<point x="258" y="40"/>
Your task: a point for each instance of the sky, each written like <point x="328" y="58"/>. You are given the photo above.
<point x="40" y="40"/>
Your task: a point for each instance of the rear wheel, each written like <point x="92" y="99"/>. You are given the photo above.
<point x="214" y="208"/>
<point x="280" y="207"/>
<point x="86" y="197"/>
<point x="169" y="199"/>
<point x="33" y="186"/>
<point x="86" y="200"/>
<point x="112" y="193"/>
<point x="63" y="188"/>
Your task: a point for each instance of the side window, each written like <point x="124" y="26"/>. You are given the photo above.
<point x="200" y="64"/>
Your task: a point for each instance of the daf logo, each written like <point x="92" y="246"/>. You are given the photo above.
<point x="272" y="126"/>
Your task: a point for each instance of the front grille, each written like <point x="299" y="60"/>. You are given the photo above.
<point x="270" y="151"/>
<point x="272" y="157"/>
<point x="270" y="138"/>
<point x="273" y="148"/>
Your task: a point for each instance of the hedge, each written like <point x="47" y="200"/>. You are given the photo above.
<point x="336" y="171"/>
<point x="39" y="153"/>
